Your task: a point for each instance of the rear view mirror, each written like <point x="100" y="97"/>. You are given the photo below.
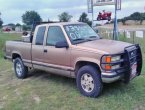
<point x="61" y="44"/>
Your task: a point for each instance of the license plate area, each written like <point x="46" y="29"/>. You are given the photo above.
<point x="133" y="71"/>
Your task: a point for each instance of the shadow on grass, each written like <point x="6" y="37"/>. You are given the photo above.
<point x="109" y="89"/>
<point x="42" y="75"/>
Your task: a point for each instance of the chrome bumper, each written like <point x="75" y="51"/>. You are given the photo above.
<point x="110" y="77"/>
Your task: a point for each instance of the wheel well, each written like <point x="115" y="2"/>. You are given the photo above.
<point x="15" y="55"/>
<point x="83" y="63"/>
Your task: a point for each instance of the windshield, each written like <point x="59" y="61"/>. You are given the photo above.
<point x="79" y="33"/>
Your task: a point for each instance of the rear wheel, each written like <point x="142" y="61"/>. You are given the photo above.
<point x="89" y="81"/>
<point x="21" y="70"/>
<point x="109" y="18"/>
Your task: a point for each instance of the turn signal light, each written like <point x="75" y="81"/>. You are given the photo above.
<point x="108" y="59"/>
<point x="107" y="67"/>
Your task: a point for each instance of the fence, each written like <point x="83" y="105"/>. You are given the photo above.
<point x="134" y="36"/>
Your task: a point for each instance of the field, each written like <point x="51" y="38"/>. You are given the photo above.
<point x="43" y="91"/>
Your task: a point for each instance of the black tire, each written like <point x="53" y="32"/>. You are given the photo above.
<point x="98" y="18"/>
<point x="24" y="69"/>
<point x="98" y="85"/>
<point x="109" y="18"/>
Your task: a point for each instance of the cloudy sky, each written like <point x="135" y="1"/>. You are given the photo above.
<point x="12" y="10"/>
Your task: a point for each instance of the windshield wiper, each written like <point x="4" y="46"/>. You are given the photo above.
<point x="93" y="37"/>
<point x="78" y="39"/>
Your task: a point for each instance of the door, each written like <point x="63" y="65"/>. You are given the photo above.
<point x="38" y="46"/>
<point x="56" y="56"/>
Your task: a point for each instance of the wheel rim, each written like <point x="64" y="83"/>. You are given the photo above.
<point x="19" y="69"/>
<point x="87" y="82"/>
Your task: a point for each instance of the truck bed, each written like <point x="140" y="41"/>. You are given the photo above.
<point x="18" y="47"/>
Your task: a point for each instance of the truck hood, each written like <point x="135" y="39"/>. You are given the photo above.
<point x="105" y="46"/>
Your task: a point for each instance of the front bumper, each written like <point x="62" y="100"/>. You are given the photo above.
<point x="111" y="77"/>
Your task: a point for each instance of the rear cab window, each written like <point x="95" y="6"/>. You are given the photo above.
<point x="40" y="35"/>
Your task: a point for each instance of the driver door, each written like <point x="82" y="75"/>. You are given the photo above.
<point x="57" y="57"/>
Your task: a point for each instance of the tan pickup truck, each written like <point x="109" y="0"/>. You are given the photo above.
<point x="75" y="50"/>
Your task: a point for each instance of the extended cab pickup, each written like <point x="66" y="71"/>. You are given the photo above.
<point x="75" y="50"/>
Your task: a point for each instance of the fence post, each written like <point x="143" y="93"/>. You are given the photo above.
<point x="134" y="37"/>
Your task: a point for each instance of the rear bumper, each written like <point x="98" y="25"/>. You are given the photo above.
<point x="111" y="77"/>
<point x="7" y="58"/>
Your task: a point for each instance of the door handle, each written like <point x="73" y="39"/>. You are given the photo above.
<point x="45" y="51"/>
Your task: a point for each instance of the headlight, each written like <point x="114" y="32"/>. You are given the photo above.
<point x="108" y="62"/>
<point x="115" y="67"/>
<point x="116" y="58"/>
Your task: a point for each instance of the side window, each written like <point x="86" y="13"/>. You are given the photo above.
<point x="40" y="35"/>
<point x="55" y="35"/>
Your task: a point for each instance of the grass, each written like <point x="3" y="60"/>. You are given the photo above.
<point x="44" y="91"/>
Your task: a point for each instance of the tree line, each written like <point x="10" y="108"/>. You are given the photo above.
<point x="137" y="17"/>
<point x="29" y="17"/>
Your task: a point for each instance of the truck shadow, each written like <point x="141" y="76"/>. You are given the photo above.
<point x="108" y="89"/>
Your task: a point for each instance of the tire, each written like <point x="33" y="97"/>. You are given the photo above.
<point x="94" y="82"/>
<point x="109" y="18"/>
<point x="98" y="19"/>
<point x="21" y="71"/>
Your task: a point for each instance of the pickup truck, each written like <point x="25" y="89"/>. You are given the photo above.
<point x="75" y="50"/>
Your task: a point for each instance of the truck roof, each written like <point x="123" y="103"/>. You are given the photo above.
<point x="61" y="23"/>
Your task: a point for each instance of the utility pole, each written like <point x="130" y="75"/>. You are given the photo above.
<point x="115" y="31"/>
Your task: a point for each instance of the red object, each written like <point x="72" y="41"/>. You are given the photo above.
<point x="7" y="30"/>
<point x="104" y="16"/>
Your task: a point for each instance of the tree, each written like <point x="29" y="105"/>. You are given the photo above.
<point x="123" y="21"/>
<point x="1" y="22"/>
<point x="64" y="17"/>
<point x="142" y="18"/>
<point x="18" y="24"/>
<point x="30" y="16"/>
<point x="83" y="18"/>
<point x="136" y="16"/>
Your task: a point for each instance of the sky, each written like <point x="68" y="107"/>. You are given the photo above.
<point x="12" y="10"/>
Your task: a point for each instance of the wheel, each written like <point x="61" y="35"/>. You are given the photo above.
<point x="98" y="19"/>
<point x="89" y="81"/>
<point x="20" y="70"/>
<point x="109" y="18"/>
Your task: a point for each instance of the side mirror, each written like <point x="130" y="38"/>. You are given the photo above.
<point x="61" y="44"/>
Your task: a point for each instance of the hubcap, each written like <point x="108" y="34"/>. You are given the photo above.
<point x="87" y="82"/>
<point x="19" y="69"/>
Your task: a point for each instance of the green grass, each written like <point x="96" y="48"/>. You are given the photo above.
<point x="5" y="37"/>
<point x="43" y="91"/>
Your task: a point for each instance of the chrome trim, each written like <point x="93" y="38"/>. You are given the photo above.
<point x="108" y="74"/>
<point x="53" y="66"/>
<point x="110" y="77"/>
<point x="111" y="80"/>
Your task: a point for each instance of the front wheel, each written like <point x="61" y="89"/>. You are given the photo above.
<point x="98" y="18"/>
<point x="20" y="69"/>
<point x="89" y="81"/>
